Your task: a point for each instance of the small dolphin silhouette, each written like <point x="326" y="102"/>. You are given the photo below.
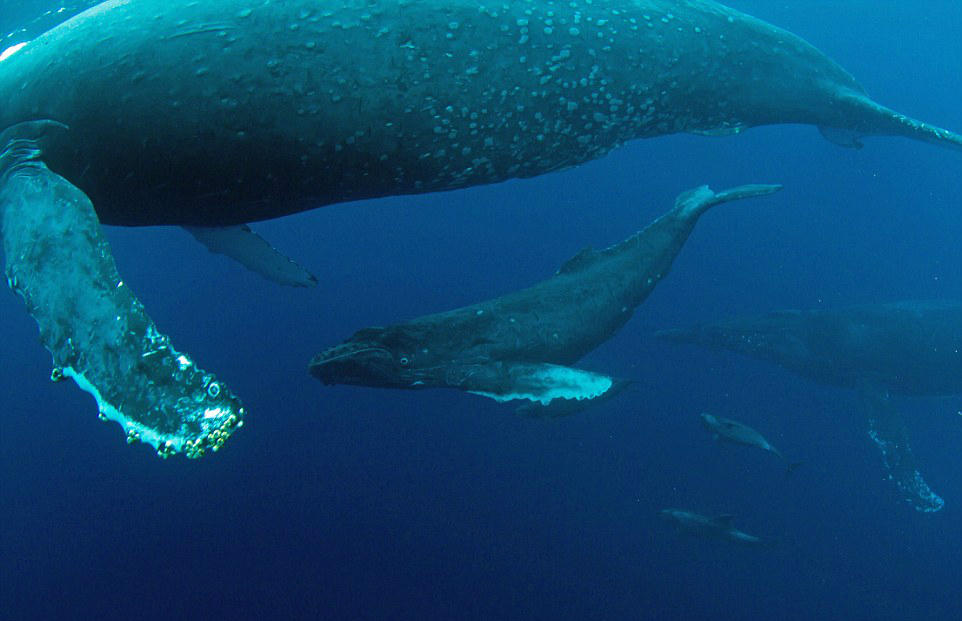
<point x="718" y="527"/>
<point x="739" y="433"/>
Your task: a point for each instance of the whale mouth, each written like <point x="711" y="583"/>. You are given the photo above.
<point x="349" y="363"/>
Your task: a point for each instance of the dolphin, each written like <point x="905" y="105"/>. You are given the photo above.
<point x="215" y="114"/>
<point x="739" y="433"/>
<point x="718" y="527"/>
<point x="520" y="346"/>
<point x="903" y="348"/>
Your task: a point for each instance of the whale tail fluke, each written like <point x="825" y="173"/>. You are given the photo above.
<point x="697" y="201"/>
<point x="871" y="118"/>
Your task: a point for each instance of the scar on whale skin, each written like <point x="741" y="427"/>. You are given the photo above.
<point x="97" y="331"/>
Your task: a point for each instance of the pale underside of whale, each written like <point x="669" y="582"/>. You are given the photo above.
<point x="214" y="114"/>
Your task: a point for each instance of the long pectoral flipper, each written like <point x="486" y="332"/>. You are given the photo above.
<point x="539" y="383"/>
<point x="559" y="408"/>
<point x="58" y="261"/>
<point x="887" y="430"/>
<point x="253" y="252"/>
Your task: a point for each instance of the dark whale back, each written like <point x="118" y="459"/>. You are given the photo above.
<point x="222" y="112"/>
<point x="911" y="347"/>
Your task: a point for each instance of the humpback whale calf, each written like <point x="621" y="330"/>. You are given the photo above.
<point x="214" y="114"/>
<point x="902" y="348"/>
<point x="521" y="345"/>
<point x="718" y="527"/>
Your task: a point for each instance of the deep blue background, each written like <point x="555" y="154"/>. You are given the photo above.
<point x="359" y="503"/>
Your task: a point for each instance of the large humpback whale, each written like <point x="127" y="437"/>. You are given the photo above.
<point x="520" y="345"/>
<point x="903" y="348"/>
<point x="228" y="111"/>
<point x="217" y="113"/>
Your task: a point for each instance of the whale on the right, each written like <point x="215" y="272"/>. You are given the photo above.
<point x="900" y="348"/>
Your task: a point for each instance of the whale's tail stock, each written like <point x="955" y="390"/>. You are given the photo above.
<point x="697" y="201"/>
<point x="865" y="117"/>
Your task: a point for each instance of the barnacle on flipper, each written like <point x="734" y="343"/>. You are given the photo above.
<point x="97" y="331"/>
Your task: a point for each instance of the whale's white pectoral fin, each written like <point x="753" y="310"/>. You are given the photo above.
<point x="887" y="430"/>
<point x="546" y="383"/>
<point x="253" y="252"/>
<point x="559" y="408"/>
<point x="97" y="331"/>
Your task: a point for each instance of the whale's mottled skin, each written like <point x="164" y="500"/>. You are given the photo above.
<point x="227" y="111"/>
<point x="211" y="114"/>
<point x="902" y="348"/>
<point x="518" y="346"/>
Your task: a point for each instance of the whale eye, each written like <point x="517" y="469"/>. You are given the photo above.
<point x="404" y="361"/>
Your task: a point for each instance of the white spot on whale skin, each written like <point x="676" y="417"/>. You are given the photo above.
<point x="214" y="413"/>
<point x="10" y="51"/>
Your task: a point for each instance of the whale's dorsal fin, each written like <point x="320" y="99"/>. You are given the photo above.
<point x="585" y="257"/>
<point x="253" y="252"/>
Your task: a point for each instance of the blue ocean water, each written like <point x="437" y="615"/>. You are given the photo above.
<point x="342" y="502"/>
